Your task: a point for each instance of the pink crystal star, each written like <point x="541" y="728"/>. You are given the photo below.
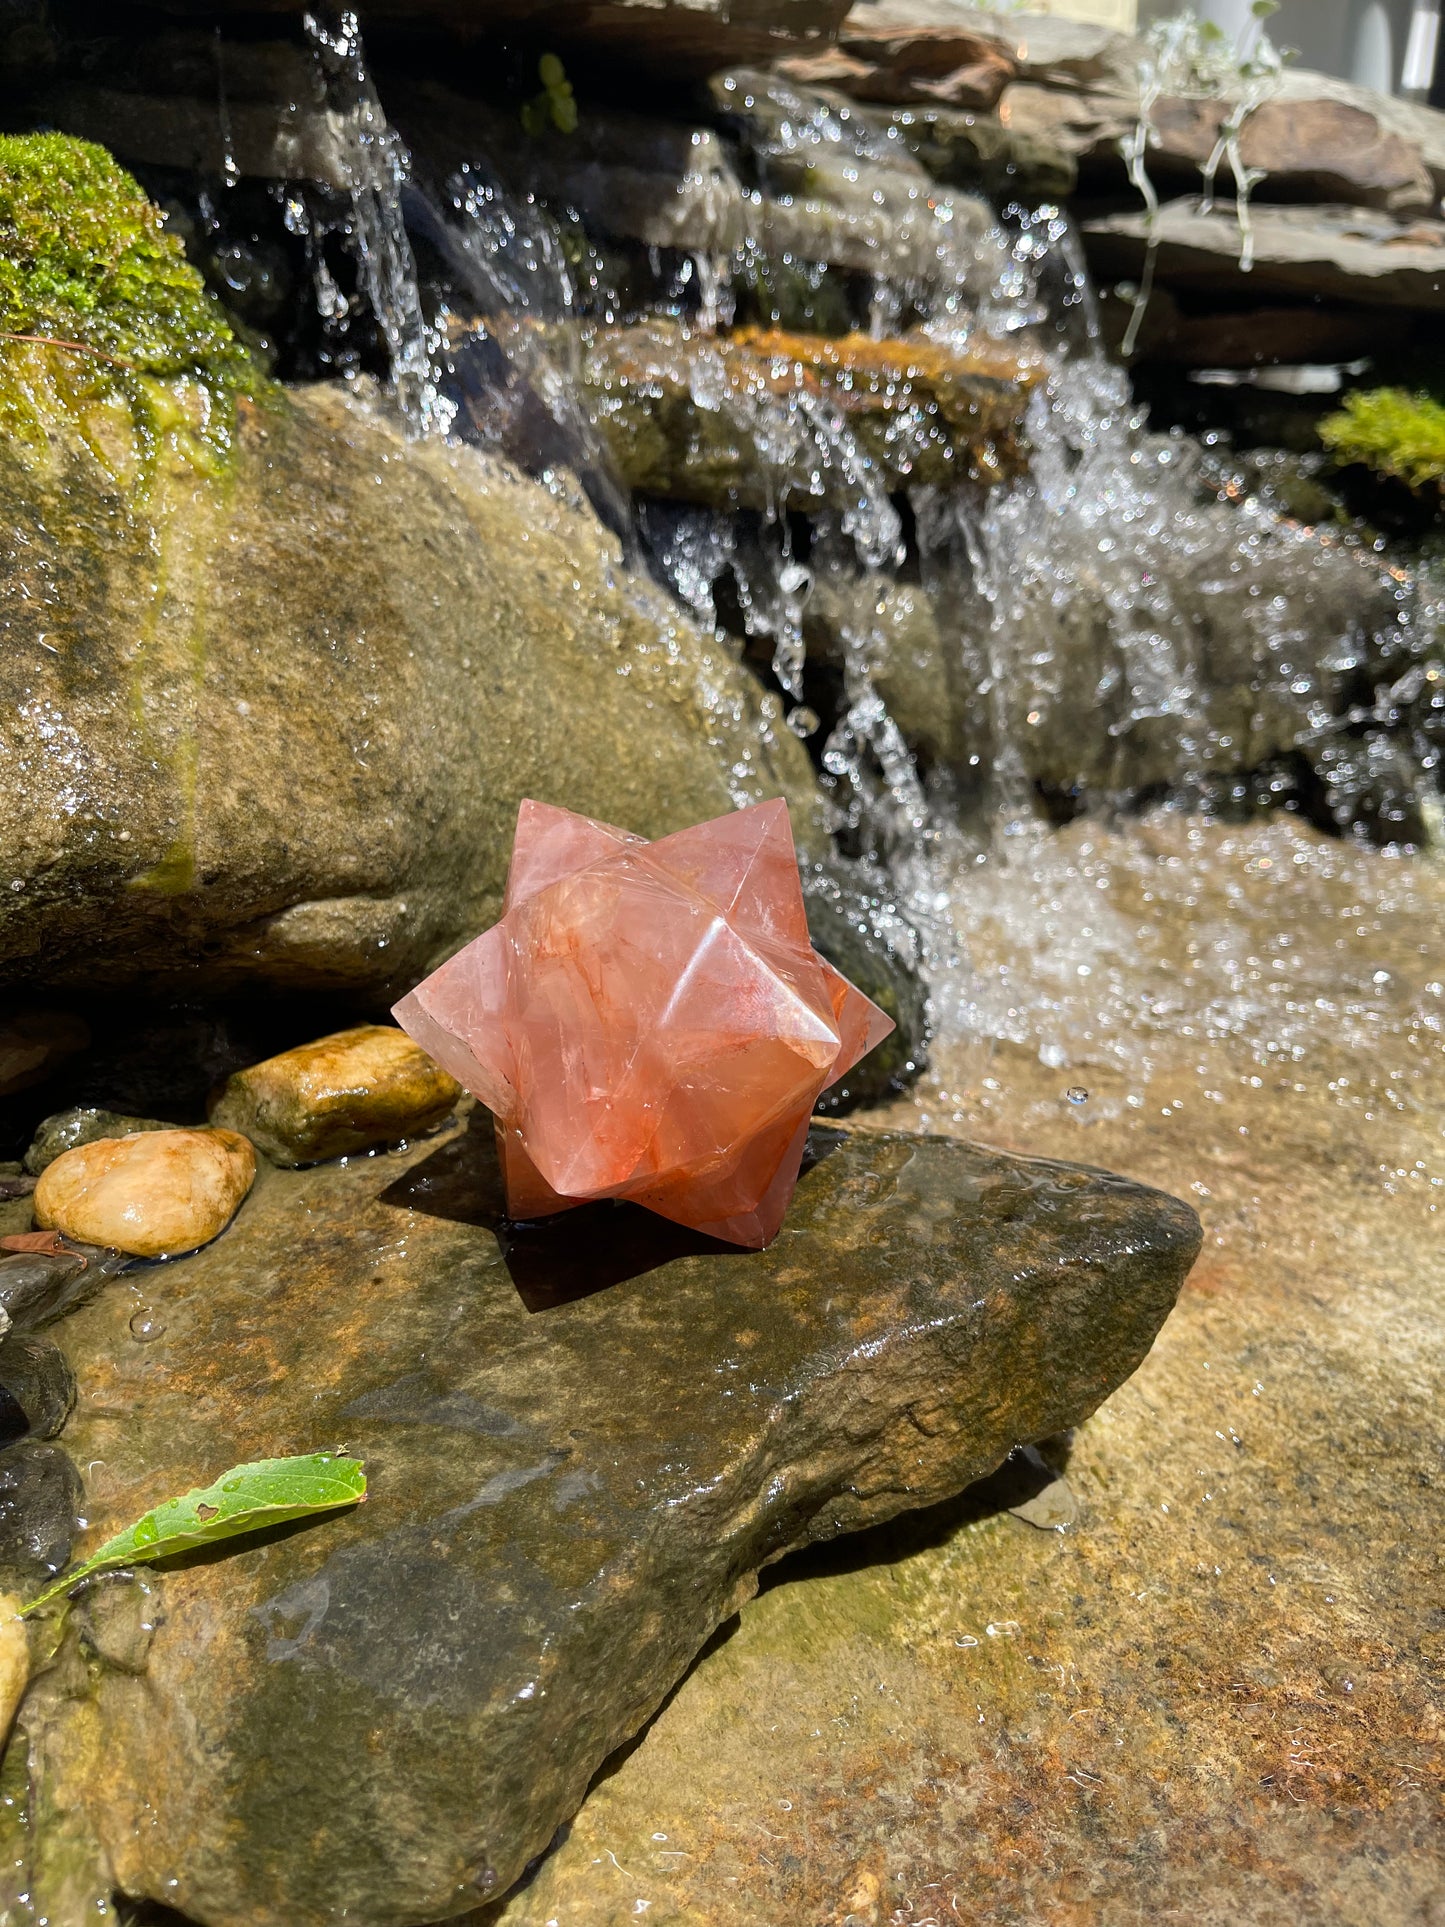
<point x="648" y="1020"/>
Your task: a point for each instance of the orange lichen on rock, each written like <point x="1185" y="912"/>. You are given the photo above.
<point x="649" y="1021"/>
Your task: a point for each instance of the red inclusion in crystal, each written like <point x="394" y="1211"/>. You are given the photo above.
<point x="648" y="1020"/>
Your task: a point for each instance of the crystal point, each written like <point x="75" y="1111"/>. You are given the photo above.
<point x="648" y="1021"/>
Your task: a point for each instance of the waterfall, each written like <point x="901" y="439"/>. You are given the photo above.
<point x="1133" y="618"/>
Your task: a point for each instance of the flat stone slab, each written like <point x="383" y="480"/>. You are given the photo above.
<point x="583" y="1439"/>
<point x="1335" y="253"/>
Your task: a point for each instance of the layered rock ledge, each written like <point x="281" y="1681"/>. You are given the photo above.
<point x="583" y="1439"/>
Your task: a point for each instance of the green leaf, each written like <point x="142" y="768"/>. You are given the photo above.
<point x="265" y="1493"/>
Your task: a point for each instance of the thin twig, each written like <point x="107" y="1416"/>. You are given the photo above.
<point x="76" y="347"/>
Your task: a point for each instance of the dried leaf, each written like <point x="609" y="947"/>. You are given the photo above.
<point x="49" y="1244"/>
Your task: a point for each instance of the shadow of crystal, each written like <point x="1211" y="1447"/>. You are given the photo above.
<point x="556" y="1261"/>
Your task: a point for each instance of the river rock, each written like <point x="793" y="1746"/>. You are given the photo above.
<point x="192" y="805"/>
<point x="337" y="813"/>
<point x="362" y="1087"/>
<point x="41" y="1495"/>
<point x="151" y="1195"/>
<point x="83" y="1125"/>
<point x="37" y="1388"/>
<point x="37" y="1287"/>
<point x="582" y="1440"/>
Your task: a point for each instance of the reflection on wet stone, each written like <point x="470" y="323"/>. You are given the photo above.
<point x="40" y="1497"/>
<point x="581" y="1449"/>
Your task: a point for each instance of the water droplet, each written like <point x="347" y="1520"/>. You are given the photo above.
<point x="146" y="1326"/>
<point x="803" y="721"/>
<point x="1076" y="1094"/>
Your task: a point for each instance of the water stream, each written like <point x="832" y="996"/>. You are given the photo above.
<point x="1138" y="618"/>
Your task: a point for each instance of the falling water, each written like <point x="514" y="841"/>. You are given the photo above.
<point x="377" y="166"/>
<point x="1131" y="618"/>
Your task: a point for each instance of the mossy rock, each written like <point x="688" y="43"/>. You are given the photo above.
<point x="101" y="315"/>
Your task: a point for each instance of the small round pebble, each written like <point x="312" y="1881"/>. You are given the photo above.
<point x="84" y="1125"/>
<point x="154" y="1195"/>
<point x="350" y="1092"/>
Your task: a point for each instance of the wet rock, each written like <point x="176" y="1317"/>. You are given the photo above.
<point x="38" y="1287"/>
<point x="337" y="814"/>
<point x="832" y="188"/>
<point x="41" y="1494"/>
<point x="152" y="98"/>
<point x="35" y="1043"/>
<point x="670" y="41"/>
<point x="582" y="1441"/>
<point x="151" y="1195"/>
<point x="1039" y="1496"/>
<point x="37" y="1388"/>
<point x="861" y="933"/>
<point x="1273" y="640"/>
<point x="362" y="1087"/>
<point x="632" y="177"/>
<point x="1326" y="253"/>
<point x="981" y="150"/>
<point x="734" y="421"/>
<point x="83" y="1125"/>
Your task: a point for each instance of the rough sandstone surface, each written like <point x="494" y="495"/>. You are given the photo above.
<point x="361" y="1087"/>
<point x="153" y="1194"/>
<point x="582" y="1441"/>
<point x="275" y="729"/>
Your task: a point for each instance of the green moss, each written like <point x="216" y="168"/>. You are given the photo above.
<point x="1391" y="431"/>
<point x="86" y="262"/>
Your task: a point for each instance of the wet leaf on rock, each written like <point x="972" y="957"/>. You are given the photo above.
<point x="265" y="1493"/>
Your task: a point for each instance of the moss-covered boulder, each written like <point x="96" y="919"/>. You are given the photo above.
<point x="273" y="680"/>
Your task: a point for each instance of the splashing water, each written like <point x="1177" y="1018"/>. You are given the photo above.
<point x="377" y="167"/>
<point x="1133" y="618"/>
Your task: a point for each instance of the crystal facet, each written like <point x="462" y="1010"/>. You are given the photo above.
<point x="648" y="1020"/>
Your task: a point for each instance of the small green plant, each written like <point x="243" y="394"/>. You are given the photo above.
<point x="266" y="1492"/>
<point x="556" y="105"/>
<point x="1197" y="59"/>
<point x="1391" y="431"/>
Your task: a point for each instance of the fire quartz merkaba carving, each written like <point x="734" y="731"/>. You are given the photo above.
<point x="648" y="1020"/>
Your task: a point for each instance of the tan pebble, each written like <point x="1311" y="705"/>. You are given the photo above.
<point x="14" y="1660"/>
<point x="153" y="1195"/>
<point x="362" y="1087"/>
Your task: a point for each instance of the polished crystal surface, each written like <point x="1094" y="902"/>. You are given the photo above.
<point x="648" y="1020"/>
